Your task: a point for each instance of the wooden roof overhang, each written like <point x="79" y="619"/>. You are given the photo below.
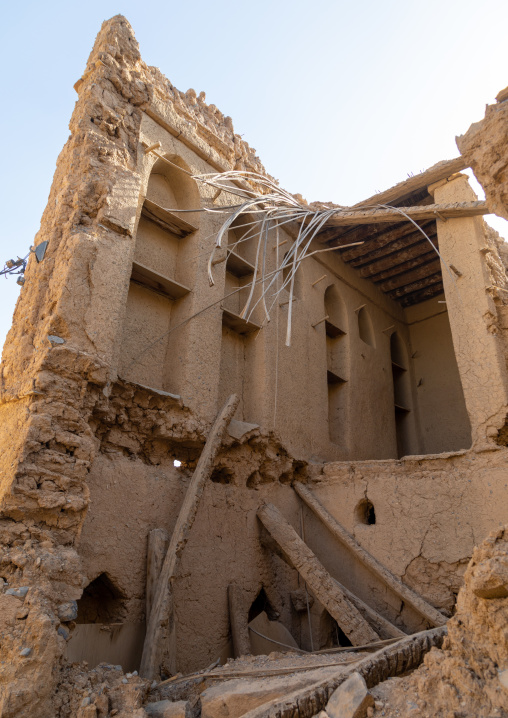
<point x="395" y="254"/>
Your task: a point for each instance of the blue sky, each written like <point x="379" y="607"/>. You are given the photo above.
<point x="340" y="99"/>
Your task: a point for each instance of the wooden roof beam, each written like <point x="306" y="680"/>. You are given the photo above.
<point x="433" y="211"/>
<point x="405" y="265"/>
<point x="422" y="295"/>
<point x="387" y="244"/>
<point x="400" y="292"/>
<point x="423" y="271"/>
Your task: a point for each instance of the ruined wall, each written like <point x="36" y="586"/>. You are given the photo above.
<point x="430" y="513"/>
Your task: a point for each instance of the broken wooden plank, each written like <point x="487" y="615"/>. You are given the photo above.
<point x="158" y="540"/>
<point x="453" y="210"/>
<point x="160" y="633"/>
<point x="389" y="662"/>
<point x="440" y="171"/>
<point x="316" y="576"/>
<point x="238" y="621"/>
<point x="407" y="594"/>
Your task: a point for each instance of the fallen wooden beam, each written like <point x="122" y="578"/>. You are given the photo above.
<point x="379" y="623"/>
<point x="158" y="540"/>
<point x="389" y="662"/>
<point x="238" y="621"/>
<point x="160" y="639"/>
<point x="440" y="171"/>
<point x="319" y="581"/>
<point x="452" y="210"/>
<point x="407" y="594"/>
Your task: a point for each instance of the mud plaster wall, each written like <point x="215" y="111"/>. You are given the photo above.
<point x="441" y="409"/>
<point x="204" y="361"/>
<point x="430" y="512"/>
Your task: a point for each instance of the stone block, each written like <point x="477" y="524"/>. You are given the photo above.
<point x="351" y="699"/>
<point x="68" y="611"/>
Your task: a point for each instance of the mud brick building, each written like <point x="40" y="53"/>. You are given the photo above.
<point x="378" y="435"/>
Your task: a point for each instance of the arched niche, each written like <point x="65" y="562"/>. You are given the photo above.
<point x="171" y="187"/>
<point x="365" y="327"/>
<point x="101" y="602"/>
<point x="401" y="393"/>
<point x="335" y="309"/>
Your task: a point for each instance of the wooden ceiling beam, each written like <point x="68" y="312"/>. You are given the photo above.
<point x="346" y="235"/>
<point x="407" y="266"/>
<point x="375" y="250"/>
<point x="405" y="279"/>
<point x="423" y="295"/>
<point x="393" y="262"/>
<point x="400" y="292"/>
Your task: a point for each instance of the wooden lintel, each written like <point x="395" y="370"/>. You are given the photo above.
<point x="375" y="215"/>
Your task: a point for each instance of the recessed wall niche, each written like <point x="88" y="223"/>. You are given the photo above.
<point x="336" y="365"/>
<point x="401" y="393"/>
<point x="237" y="345"/>
<point x="365" y="328"/>
<point x="161" y="280"/>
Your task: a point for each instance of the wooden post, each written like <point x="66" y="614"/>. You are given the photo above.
<point x="400" y="589"/>
<point x="322" y="585"/>
<point x="238" y="619"/>
<point x="160" y="639"/>
<point x="158" y="540"/>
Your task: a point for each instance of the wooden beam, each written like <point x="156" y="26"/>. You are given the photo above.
<point x="339" y="532"/>
<point x="391" y="661"/>
<point x="379" y="623"/>
<point x="415" y="286"/>
<point x="403" y="235"/>
<point x="423" y="295"/>
<point x="238" y="621"/>
<point x="397" y="263"/>
<point x="423" y="271"/>
<point x="317" y="578"/>
<point x="361" y="233"/>
<point x="158" y="540"/>
<point x="453" y="210"/>
<point x="160" y="632"/>
<point x="439" y="171"/>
